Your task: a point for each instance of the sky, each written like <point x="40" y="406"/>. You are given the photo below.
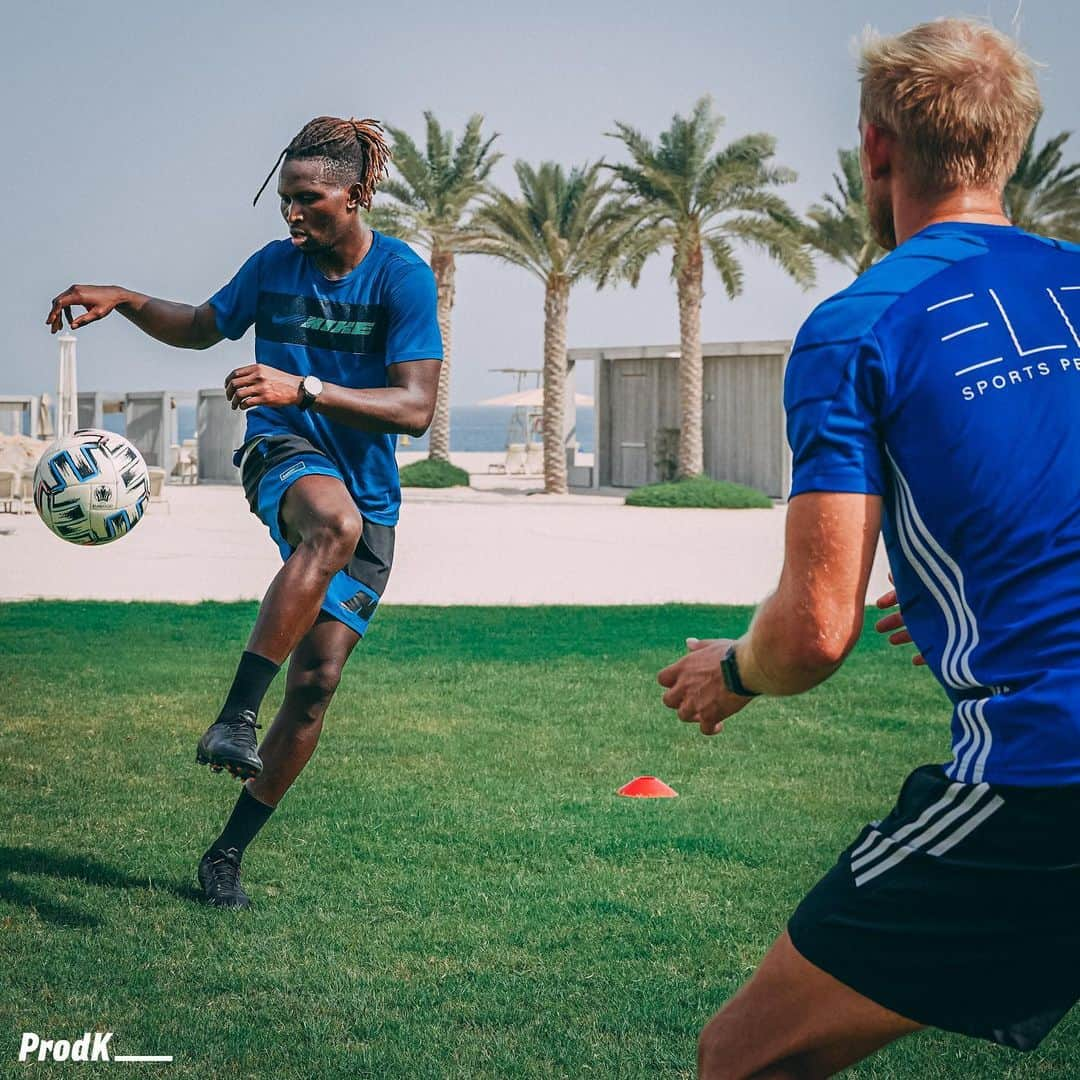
<point x="135" y="135"/>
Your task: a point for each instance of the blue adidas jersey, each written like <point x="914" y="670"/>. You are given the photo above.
<point x="947" y="380"/>
<point x="347" y="332"/>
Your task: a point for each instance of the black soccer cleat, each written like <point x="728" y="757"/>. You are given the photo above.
<point x="229" y="743"/>
<point x="219" y="876"/>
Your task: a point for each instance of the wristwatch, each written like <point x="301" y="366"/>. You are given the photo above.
<point x="310" y="389"/>
<point x="729" y="668"/>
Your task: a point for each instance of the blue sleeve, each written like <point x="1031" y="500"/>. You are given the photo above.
<point x="413" y="331"/>
<point x="834" y="392"/>
<point x="235" y="304"/>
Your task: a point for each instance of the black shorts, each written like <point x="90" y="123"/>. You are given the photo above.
<point x="961" y="910"/>
<point x="269" y="465"/>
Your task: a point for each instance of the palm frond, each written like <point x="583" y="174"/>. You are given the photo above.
<point x="839" y="226"/>
<point x="564" y="225"/>
<point x="1043" y="196"/>
<point x="779" y="241"/>
<point x="433" y="189"/>
<point x="722" y="253"/>
<point x="387" y="220"/>
<point x="694" y="194"/>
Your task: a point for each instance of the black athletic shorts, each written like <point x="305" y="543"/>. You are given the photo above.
<point x="961" y="910"/>
<point x="269" y="466"/>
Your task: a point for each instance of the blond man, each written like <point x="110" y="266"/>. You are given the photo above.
<point x="936" y="399"/>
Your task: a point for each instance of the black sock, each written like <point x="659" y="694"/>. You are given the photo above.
<point x="253" y="679"/>
<point x="248" y="817"/>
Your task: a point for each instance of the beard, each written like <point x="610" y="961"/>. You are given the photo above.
<point x="882" y="224"/>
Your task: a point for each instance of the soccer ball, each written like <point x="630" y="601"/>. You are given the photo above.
<point x="91" y="487"/>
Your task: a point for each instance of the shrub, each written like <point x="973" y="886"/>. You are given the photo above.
<point x="699" y="491"/>
<point x="431" y="473"/>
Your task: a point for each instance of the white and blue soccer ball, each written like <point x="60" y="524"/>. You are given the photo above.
<point x="91" y="487"/>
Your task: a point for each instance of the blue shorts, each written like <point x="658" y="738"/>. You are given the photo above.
<point x="269" y="466"/>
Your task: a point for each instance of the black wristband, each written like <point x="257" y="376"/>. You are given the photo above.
<point x="729" y="668"/>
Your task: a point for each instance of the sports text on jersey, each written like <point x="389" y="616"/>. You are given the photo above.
<point x="317" y="322"/>
<point x="332" y="327"/>
<point x="968" y="322"/>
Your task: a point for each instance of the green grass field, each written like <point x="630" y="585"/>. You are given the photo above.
<point x="452" y="889"/>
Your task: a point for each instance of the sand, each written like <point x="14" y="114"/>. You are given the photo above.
<point x="496" y="545"/>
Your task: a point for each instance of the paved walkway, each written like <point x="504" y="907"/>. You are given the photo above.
<point x="494" y="546"/>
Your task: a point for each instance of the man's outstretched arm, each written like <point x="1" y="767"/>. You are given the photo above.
<point x="803" y="631"/>
<point x="182" y="325"/>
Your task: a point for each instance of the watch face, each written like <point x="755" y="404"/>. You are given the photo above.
<point x="312" y="386"/>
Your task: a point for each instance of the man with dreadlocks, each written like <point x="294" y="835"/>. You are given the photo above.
<point x="347" y="353"/>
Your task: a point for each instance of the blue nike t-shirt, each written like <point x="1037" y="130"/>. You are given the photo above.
<point x="346" y="332"/>
<point x="947" y="380"/>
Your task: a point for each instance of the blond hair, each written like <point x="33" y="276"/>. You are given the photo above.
<point x="959" y="96"/>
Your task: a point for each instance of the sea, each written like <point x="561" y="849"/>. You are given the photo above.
<point x="472" y="427"/>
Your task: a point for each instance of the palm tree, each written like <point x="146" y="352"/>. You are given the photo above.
<point x="687" y="195"/>
<point x="1043" y="196"/>
<point x="563" y="228"/>
<point x="840" y="225"/>
<point x="433" y="192"/>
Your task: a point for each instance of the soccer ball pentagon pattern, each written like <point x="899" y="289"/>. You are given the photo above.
<point x="91" y="487"/>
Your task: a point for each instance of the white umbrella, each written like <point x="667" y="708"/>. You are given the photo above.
<point x="533" y="399"/>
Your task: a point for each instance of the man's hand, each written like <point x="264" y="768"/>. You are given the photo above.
<point x="695" y="686"/>
<point x="895" y="622"/>
<point x="181" y="325"/>
<point x="98" y="300"/>
<point x="257" y="384"/>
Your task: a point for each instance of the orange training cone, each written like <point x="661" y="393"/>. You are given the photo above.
<point x="647" y="787"/>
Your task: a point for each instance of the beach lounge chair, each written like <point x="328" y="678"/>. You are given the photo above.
<point x="514" y="463"/>
<point x="185" y="458"/>
<point x="157" y="486"/>
<point x="11" y="501"/>
<point x="534" y="459"/>
<point x="515" y="458"/>
<point x="25" y="481"/>
<point x="190" y="451"/>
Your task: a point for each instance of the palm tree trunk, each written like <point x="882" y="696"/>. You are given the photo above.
<point x="691" y="375"/>
<point x="556" y="304"/>
<point x="442" y="265"/>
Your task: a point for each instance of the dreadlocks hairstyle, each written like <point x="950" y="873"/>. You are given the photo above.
<point x="355" y="152"/>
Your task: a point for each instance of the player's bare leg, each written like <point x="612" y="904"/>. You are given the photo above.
<point x="314" y="673"/>
<point x="793" y="1021"/>
<point x="323" y="525"/>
